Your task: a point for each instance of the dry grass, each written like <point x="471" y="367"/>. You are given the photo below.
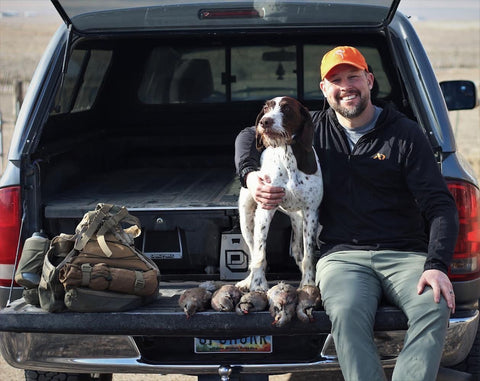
<point x="22" y="45"/>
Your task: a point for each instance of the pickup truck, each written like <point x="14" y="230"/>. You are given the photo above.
<point x="138" y="103"/>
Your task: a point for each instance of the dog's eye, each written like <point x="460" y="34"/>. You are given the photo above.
<point x="286" y="108"/>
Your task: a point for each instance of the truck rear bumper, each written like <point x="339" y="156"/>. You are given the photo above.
<point x="63" y="352"/>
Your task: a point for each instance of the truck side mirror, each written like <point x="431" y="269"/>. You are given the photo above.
<point x="459" y="95"/>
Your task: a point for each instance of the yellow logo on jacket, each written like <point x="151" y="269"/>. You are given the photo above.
<point x="379" y="156"/>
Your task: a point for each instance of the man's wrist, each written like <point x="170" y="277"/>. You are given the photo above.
<point x="243" y="175"/>
<point x="435" y="265"/>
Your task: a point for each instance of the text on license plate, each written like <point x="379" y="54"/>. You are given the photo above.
<point x="252" y="344"/>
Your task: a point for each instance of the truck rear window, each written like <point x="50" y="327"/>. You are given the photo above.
<point x="239" y="73"/>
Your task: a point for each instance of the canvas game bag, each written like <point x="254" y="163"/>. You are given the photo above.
<point x="106" y="271"/>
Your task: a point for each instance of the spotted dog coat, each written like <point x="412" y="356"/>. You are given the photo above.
<point x="285" y="129"/>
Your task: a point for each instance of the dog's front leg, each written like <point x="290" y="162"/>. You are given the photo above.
<point x="246" y="208"/>
<point x="296" y="219"/>
<point x="256" y="280"/>
<point x="258" y="265"/>
<point x="246" y="211"/>
<point x="310" y="225"/>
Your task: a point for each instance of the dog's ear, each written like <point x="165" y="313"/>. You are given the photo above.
<point x="260" y="116"/>
<point x="258" y="137"/>
<point x="258" y="141"/>
<point x="306" y="135"/>
<point x="302" y="148"/>
<point x="306" y="160"/>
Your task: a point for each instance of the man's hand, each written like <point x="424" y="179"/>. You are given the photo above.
<point x="266" y="195"/>
<point x="440" y="285"/>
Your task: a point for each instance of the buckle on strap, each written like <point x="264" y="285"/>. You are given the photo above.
<point x="86" y="273"/>
<point x="139" y="281"/>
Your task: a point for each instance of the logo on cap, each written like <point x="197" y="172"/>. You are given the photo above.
<point x="340" y="52"/>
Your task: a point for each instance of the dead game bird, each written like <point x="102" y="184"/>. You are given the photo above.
<point x="210" y="285"/>
<point x="252" y="302"/>
<point x="309" y="300"/>
<point x="226" y="298"/>
<point x="194" y="300"/>
<point x="283" y="301"/>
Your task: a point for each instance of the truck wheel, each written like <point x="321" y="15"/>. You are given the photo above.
<point x="471" y="364"/>
<point x="35" y="375"/>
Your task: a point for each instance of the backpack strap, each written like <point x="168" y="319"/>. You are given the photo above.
<point x="106" y="218"/>
<point x="109" y="224"/>
<point x="112" y="224"/>
<point x="90" y="224"/>
<point x="112" y="221"/>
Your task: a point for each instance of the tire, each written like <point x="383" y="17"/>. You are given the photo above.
<point x="34" y="375"/>
<point x="471" y="364"/>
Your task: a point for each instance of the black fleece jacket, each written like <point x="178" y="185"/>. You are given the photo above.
<point x="386" y="193"/>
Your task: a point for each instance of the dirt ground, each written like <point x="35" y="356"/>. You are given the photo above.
<point x="454" y="50"/>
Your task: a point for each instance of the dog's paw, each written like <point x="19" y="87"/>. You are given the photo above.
<point x="244" y="285"/>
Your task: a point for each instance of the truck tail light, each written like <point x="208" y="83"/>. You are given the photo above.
<point x="10" y="220"/>
<point x="466" y="258"/>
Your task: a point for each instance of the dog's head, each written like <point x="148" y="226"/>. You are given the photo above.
<point x="282" y="121"/>
<point x="285" y="121"/>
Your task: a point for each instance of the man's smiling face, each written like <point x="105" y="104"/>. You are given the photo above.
<point x="347" y="90"/>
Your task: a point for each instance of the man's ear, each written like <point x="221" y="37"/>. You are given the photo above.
<point x="370" y="80"/>
<point x="321" y="85"/>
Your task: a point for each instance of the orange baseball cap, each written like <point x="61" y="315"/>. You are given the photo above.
<point x="342" y="55"/>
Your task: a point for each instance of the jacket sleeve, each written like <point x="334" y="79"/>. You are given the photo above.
<point x="436" y="203"/>
<point x="247" y="157"/>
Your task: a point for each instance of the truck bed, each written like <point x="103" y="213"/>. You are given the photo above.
<point x="144" y="189"/>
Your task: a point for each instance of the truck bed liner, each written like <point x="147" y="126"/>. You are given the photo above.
<point x="149" y="189"/>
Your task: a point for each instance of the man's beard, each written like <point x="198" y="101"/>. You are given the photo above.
<point x="351" y="112"/>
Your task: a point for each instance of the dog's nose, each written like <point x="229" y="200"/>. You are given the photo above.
<point x="266" y="122"/>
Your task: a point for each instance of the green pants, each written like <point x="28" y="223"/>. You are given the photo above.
<point x="352" y="284"/>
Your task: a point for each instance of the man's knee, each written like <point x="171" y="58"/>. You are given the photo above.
<point x="429" y="312"/>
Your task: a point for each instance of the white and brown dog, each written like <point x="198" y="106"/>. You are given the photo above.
<point x="284" y="128"/>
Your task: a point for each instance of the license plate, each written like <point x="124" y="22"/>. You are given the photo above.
<point x="247" y="344"/>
